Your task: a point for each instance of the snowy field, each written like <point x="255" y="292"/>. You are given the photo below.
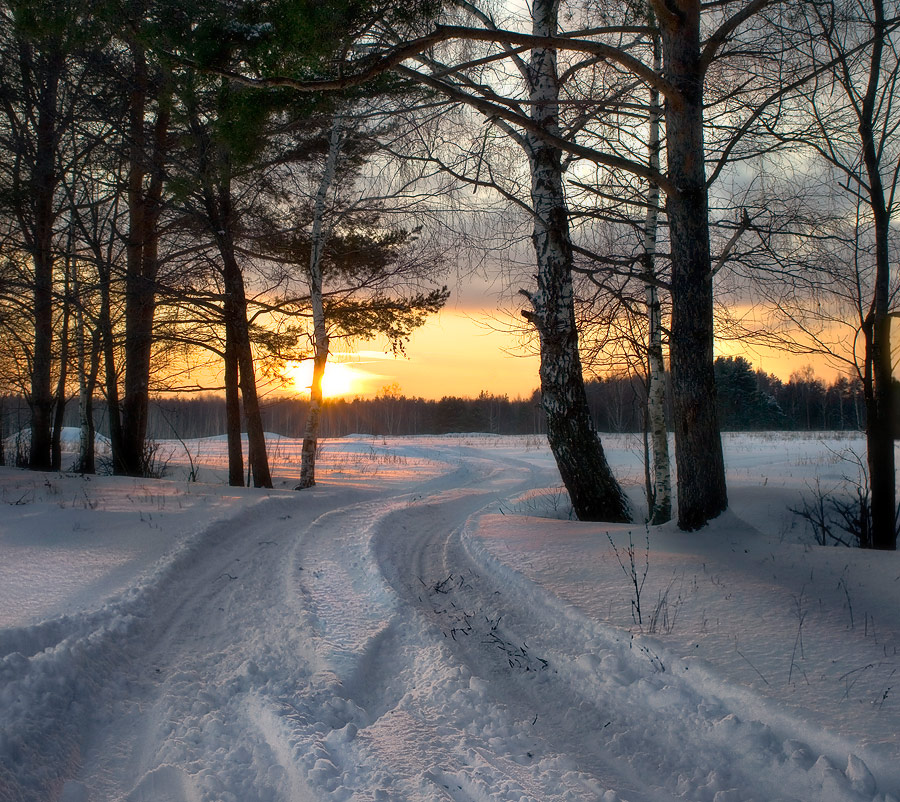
<point x="428" y="624"/>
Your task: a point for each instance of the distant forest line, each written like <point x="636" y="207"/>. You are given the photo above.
<point x="748" y="400"/>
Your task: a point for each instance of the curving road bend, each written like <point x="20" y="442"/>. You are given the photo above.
<point x="361" y="652"/>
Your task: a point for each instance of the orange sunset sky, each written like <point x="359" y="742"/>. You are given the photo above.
<point x="457" y="352"/>
<point x="462" y="351"/>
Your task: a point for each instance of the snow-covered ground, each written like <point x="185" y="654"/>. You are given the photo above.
<point x="428" y="624"/>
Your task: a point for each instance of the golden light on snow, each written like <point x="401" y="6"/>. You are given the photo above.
<point x="340" y="378"/>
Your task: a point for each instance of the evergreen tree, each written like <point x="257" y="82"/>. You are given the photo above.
<point x="741" y="404"/>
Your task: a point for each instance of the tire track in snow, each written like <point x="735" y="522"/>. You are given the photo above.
<point x="373" y="723"/>
<point x="653" y="737"/>
<point x="702" y="748"/>
<point x="61" y="693"/>
<point x="409" y="721"/>
<point x="217" y="633"/>
<point x="398" y="665"/>
<point x="224" y="666"/>
<point x="512" y="733"/>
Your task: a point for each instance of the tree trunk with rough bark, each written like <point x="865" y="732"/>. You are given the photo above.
<point x="144" y="208"/>
<point x="88" y="355"/>
<point x="257" y="456"/>
<point x="59" y="410"/>
<point x="311" y="431"/>
<point x="45" y="90"/>
<point x="880" y="413"/>
<point x="110" y="375"/>
<point x="702" y="493"/>
<point x="240" y="372"/>
<point x="593" y="490"/>
<point x="233" y="404"/>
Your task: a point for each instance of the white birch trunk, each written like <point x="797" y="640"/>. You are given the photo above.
<point x="594" y="492"/>
<point x="319" y="236"/>
<point x="661" y="501"/>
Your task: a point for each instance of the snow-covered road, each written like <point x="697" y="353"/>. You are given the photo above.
<point x="299" y="656"/>
<point x="367" y="646"/>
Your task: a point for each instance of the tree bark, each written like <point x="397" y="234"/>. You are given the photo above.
<point x="45" y="180"/>
<point x="233" y="404"/>
<point x="256" y="439"/>
<point x="576" y="446"/>
<point x="144" y="207"/>
<point x="216" y="191"/>
<point x="88" y="369"/>
<point x="879" y="396"/>
<point x="110" y="375"/>
<point x="311" y="431"/>
<point x="702" y="493"/>
<point x="59" y="410"/>
<point x="320" y="331"/>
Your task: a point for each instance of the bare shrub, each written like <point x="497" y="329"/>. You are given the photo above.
<point x="842" y="515"/>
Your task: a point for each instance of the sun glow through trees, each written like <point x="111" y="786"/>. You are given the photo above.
<point x="340" y="378"/>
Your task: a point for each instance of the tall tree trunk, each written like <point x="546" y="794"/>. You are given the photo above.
<point x="256" y="439"/>
<point x="110" y="373"/>
<point x="702" y="493"/>
<point x="661" y="507"/>
<point x="144" y="207"/>
<point x="576" y="447"/>
<point x="879" y="395"/>
<point x="232" y="403"/>
<point x="88" y="369"/>
<point x="45" y="180"/>
<point x="320" y="332"/>
<point x="88" y="355"/>
<point x="311" y="431"/>
<point x="215" y="177"/>
<point x="59" y="411"/>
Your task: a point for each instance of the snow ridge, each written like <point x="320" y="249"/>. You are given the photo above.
<point x="52" y="673"/>
<point x="785" y="759"/>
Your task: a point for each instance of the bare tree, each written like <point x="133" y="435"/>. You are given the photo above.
<point x="532" y="182"/>
<point x="868" y="81"/>
<point x="363" y="274"/>
<point x="320" y="338"/>
<point x="695" y="38"/>
<point x="33" y="102"/>
<point x="95" y="210"/>
<point x="147" y="154"/>
<point x="825" y="233"/>
<point x="575" y="444"/>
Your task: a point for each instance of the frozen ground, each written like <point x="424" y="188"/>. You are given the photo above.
<point x="426" y="624"/>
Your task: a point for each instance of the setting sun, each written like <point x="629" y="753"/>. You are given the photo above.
<point x="340" y="379"/>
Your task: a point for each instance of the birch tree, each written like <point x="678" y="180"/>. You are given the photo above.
<point x="661" y="500"/>
<point x="579" y="455"/>
<point x="320" y="337"/>
<point x="618" y="323"/>
<point x="363" y="274"/>
<point x="694" y="38"/>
